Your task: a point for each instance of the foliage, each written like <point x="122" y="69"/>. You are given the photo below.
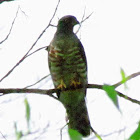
<point x="74" y="135"/>
<point x="28" y="113"/>
<point x="136" y="134"/>
<point x="112" y="94"/>
<point x="19" y="133"/>
<point x="124" y="78"/>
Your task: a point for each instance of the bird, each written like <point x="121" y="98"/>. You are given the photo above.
<point x="68" y="68"/>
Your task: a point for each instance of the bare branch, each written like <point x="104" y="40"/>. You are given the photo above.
<point x="43" y="131"/>
<point x="28" y="91"/>
<point x="96" y="134"/>
<point x="11" y="27"/>
<point x="36" y="51"/>
<point x="128" y="98"/>
<point x="86" y="18"/>
<point x="83" y="20"/>
<point x="38" y="81"/>
<point x="9" y="72"/>
<point x="3" y="135"/>
<point x="23" y="12"/>
<point x="127" y="78"/>
<point x="53" y="25"/>
<point x="95" y="86"/>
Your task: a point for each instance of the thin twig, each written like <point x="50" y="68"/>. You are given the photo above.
<point x="106" y="135"/>
<point x="23" y="12"/>
<point x="11" y="27"/>
<point x="3" y="135"/>
<point x="38" y="81"/>
<point x="127" y="78"/>
<point x="9" y="72"/>
<point x="36" y="51"/>
<point x="53" y="25"/>
<point x="128" y="98"/>
<point x="119" y="93"/>
<point x="96" y="134"/>
<point x="83" y="20"/>
<point x="86" y="18"/>
<point x="61" y="130"/>
<point x="43" y="131"/>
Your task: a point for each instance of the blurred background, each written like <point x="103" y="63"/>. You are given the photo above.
<point x="111" y="39"/>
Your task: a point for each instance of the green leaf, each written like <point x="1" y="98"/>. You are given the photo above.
<point x="112" y="94"/>
<point x="27" y="106"/>
<point x="136" y="134"/>
<point x="124" y="78"/>
<point x="74" y="134"/>
<point x="18" y="134"/>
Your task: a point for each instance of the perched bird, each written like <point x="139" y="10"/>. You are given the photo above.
<point x="68" y="68"/>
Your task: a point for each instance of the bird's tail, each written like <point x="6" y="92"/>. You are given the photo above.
<point x="74" y="102"/>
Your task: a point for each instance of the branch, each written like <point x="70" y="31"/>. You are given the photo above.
<point x="3" y="135"/>
<point x="86" y="18"/>
<point x="11" y="27"/>
<point x="119" y="93"/>
<point x="27" y="91"/>
<point x="128" y="98"/>
<point x="83" y="20"/>
<point x="36" y="51"/>
<point x="21" y="60"/>
<point x="127" y="78"/>
<point x="51" y="91"/>
<point x="96" y="134"/>
<point x="38" y="81"/>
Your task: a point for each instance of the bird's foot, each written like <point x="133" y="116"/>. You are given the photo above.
<point x="62" y="85"/>
<point x="75" y="83"/>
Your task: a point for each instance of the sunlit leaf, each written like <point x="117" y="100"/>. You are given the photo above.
<point x="74" y="135"/>
<point x="27" y="106"/>
<point x="18" y="134"/>
<point x="136" y="134"/>
<point x="112" y="94"/>
<point x="124" y="78"/>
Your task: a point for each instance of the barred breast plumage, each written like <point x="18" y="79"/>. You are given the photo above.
<point x="68" y="68"/>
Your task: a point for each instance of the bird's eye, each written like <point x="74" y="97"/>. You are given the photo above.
<point x="66" y="20"/>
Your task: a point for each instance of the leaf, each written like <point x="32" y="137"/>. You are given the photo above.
<point x="19" y="134"/>
<point x="124" y="78"/>
<point x="74" y="134"/>
<point x="112" y="94"/>
<point x="27" y="106"/>
<point x="136" y="134"/>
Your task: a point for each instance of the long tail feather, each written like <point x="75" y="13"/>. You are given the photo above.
<point x="74" y="102"/>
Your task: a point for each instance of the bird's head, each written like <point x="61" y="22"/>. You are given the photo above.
<point x="67" y="23"/>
